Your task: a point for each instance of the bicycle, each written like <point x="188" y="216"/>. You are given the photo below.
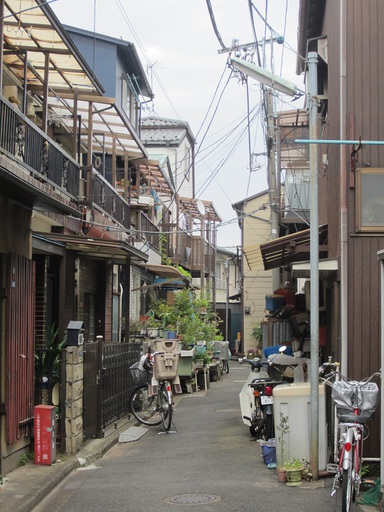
<point x="355" y="403"/>
<point x="225" y="363"/>
<point x="150" y="404"/>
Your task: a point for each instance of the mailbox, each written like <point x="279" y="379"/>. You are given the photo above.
<point x="45" y="435"/>
<point x="75" y="336"/>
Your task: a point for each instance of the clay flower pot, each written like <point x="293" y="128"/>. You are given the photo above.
<point x="281" y="475"/>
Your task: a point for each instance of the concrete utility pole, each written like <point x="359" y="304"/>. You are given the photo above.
<point x="274" y="199"/>
<point x="314" y="262"/>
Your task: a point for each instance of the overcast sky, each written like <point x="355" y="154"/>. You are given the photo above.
<point x="178" y="47"/>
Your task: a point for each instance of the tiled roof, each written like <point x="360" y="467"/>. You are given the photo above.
<point x="159" y="130"/>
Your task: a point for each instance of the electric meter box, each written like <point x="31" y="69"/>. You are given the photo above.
<point x="293" y="403"/>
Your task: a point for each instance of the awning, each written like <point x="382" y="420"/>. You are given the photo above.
<point x="292" y="248"/>
<point x="115" y="250"/>
<point x="326" y="267"/>
<point x="32" y="32"/>
<point x="112" y="131"/>
<point x="158" y="174"/>
<point x="166" y="272"/>
<point x="198" y="207"/>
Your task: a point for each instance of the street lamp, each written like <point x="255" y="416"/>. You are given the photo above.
<point x="265" y="77"/>
<point x="280" y="84"/>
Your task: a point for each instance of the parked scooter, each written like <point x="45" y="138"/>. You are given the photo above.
<point x="256" y="396"/>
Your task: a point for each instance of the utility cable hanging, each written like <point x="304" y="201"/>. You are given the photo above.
<point x="213" y="21"/>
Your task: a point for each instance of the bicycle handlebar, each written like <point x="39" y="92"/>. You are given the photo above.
<point x="255" y="364"/>
<point x="333" y="374"/>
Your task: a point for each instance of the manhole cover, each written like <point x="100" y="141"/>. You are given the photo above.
<point x="193" y="499"/>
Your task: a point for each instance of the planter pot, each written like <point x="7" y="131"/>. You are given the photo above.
<point x="172" y="335"/>
<point x="281" y="475"/>
<point x="187" y="353"/>
<point x="152" y="332"/>
<point x="294" y="476"/>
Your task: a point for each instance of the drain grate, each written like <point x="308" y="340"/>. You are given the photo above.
<point x="193" y="499"/>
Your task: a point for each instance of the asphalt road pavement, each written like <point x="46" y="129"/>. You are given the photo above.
<point x="210" y="463"/>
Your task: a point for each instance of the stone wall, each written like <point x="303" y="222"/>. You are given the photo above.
<point x="74" y="399"/>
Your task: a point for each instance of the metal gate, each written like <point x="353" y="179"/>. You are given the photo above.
<point x="92" y="390"/>
<point x="107" y="384"/>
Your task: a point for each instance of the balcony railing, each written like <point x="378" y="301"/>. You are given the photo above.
<point x="192" y="254"/>
<point x="25" y="142"/>
<point x="147" y="231"/>
<point x="109" y="200"/>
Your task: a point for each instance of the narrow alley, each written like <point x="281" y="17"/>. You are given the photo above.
<point x="210" y="461"/>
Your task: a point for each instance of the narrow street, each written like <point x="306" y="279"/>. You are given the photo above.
<point x="211" y="462"/>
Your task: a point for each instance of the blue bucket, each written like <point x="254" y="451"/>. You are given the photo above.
<point x="269" y="453"/>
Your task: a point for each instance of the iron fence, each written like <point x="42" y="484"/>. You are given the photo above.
<point x="117" y="383"/>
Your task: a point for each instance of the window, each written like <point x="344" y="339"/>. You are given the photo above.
<point x="130" y="99"/>
<point x="370" y="200"/>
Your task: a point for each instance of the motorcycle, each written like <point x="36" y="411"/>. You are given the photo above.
<point x="256" y="395"/>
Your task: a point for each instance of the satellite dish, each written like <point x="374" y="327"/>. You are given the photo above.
<point x="200" y="207"/>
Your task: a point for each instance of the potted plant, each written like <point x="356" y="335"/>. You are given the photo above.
<point x="47" y="359"/>
<point x="257" y="336"/>
<point x="293" y="470"/>
<point x="201" y="357"/>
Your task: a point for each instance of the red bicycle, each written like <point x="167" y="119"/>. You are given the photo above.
<point x="355" y="402"/>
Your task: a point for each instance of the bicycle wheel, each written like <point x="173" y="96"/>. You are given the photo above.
<point x="145" y="408"/>
<point x="166" y="407"/>
<point x="347" y="489"/>
<point x="226" y="365"/>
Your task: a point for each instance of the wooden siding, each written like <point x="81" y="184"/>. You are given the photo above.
<point x="19" y="348"/>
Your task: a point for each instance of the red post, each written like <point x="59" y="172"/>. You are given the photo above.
<point x="45" y="434"/>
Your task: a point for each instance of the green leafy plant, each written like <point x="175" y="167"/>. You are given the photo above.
<point x="293" y="465"/>
<point x="47" y="359"/>
<point x="257" y="333"/>
<point x="201" y="353"/>
<point x="23" y="459"/>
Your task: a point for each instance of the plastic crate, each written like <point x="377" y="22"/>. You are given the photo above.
<point x="166" y="365"/>
<point x="163" y="345"/>
<point x="140" y="377"/>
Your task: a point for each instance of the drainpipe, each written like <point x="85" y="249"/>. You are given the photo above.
<point x="343" y="196"/>
<point x="1" y="46"/>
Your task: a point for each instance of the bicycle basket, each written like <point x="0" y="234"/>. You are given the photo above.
<point x="343" y="394"/>
<point x="139" y="376"/>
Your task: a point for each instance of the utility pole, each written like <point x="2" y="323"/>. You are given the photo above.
<point x="274" y="199"/>
<point x="314" y="262"/>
